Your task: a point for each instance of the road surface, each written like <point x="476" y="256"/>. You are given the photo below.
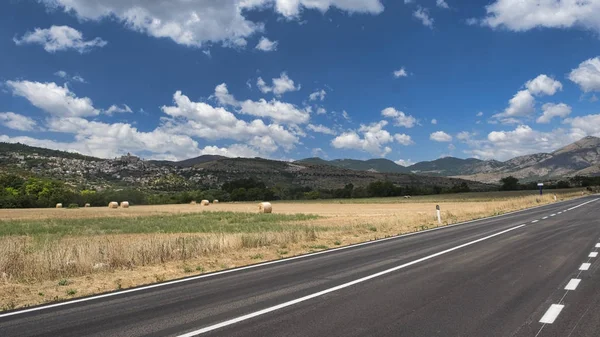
<point x="529" y="273"/>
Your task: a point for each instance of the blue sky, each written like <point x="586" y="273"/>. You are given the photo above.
<point x="288" y="79"/>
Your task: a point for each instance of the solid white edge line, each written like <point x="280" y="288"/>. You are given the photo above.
<point x="572" y="285"/>
<point x="593" y="254"/>
<point x="550" y="315"/>
<point x="585" y="203"/>
<point x="193" y="278"/>
<point x="336" y="288"/>
<point x="585" y="266"/>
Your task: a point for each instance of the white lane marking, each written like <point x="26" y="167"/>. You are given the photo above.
<point x="559" y="213"/>
<point x="550" y="315"/>
<point x="193" y="278"/>
<point x="585" y="203"/>
<point x="534" y="221"/>
<point x="552" y="214"/>
<point x="544" y="218"/>
<point x="593" y="254"/>
<point x="341" y="286"/>
<point x="585" y="266"/>
<point x="572" y="285"/>
<point x="598" y="245"/>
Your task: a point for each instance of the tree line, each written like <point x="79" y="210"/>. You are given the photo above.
<point x="34" y="192"/>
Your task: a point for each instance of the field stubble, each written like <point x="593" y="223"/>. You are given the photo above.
<point x="109" y="249"/>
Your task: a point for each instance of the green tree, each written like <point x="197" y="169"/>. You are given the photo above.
<point x="509" y="183"/>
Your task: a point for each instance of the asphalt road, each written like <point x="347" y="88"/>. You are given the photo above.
<point x="495" y="277"/>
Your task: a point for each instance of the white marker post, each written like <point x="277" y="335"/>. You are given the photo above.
<point x="439" y="216"/>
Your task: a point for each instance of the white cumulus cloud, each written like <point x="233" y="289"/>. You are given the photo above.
<point x="118" y="109"/>
<point x="423" y="15"/>
<point x="523" y="15"/>
<point x="403" y="139"/>
<point x="587" y="75"/>
<point x="317" y="95"/>
<point x="400" y="118"/>
<point x="400" y="73"/>
<point x="66" y="76"/>
<point x="54" y="99"/>
<point x="198" y="22"/>
<point x="440" y="136"/>
<point x="543" y="85"/>
<point x="442" y="4"/>
<point x="266" y="45"/>
<point x="404" y="162"/>
<point x="17" y="122"/>
<point x="551" y="110"/>
<point x="60" y="38"/>
<point x="523" y="103"/>
<point x="199" y="119"/>
<point x="372" y="139"/>
<point x="278" y="111"/>
<point x="321" y="129"/>
<point x="281" y="85"/>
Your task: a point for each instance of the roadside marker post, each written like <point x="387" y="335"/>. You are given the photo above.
<point x="541" y="185"/>
<point x="439" y="216"/>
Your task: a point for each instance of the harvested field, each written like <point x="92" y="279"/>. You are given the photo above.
<point x="47" y="253"/>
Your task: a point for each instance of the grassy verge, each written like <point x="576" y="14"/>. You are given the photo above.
<point x="206" y="222"/>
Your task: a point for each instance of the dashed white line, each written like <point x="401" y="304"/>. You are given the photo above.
<point x="593" y="254"/>
<point x="550" y="315"/>
<point x="534" y="221"/>
<point x="544" y="218"/>
<point x="336" y="288"/>
<point x="552" y="214"/>
<point x="559" y="213"/>
<point x="585" y="266"/>
<point x="598" y="245"/>
<point x="572" y="285"/>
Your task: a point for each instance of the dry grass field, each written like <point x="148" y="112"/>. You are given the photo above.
<point x="54" y="254"/>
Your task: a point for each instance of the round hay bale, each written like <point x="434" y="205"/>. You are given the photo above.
<point x="193" y="202"/>
<point x="215" y="201"/>
<point x="124" y="204"/>
<point x="205" y="203"/>
<point x="265" y="207"/>
<point x="59" y="205"/>
<point x="87" y="205"/>
<point x="113" y="204"/>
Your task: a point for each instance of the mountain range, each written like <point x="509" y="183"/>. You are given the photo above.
<point x="204" y="172"/>
<point x="579" y="158"/>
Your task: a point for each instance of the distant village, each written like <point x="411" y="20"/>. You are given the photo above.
<point x="127" y="170"/>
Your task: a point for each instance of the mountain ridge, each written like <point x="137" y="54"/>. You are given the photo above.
<point x="579" y="158"/>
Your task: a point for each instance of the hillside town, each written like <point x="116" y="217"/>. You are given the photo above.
<point x="97" y="174"/>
